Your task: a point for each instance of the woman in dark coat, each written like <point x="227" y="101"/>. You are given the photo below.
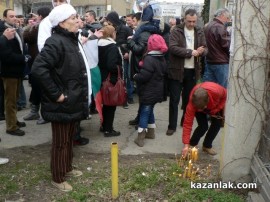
<point x="110" y="58"/>
<point x="63" y="75"/>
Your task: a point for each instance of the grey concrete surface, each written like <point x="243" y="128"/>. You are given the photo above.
<point x="40" y="134"/>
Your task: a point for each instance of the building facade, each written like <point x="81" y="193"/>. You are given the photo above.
<point x="4" y="4"/>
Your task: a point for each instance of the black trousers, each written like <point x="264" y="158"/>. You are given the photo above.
<point x="108" y="117"/>
<point x="176" y="88"/>
<point x="2" y="98"/>
<point x="35" y="95"/>
<point x="202" y="128"/>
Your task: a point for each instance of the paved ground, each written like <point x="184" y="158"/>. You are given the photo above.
<point x="39" y="134"/>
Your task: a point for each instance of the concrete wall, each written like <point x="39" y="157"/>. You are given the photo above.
<point x="4" y="5"/>
<point x="247" y="87"/>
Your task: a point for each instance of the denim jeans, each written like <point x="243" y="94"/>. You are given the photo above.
<point x="146" y="115"/>
<point x="217" y="73"/>
<point x="129" y="83"/>
<point x="175" y="88"/>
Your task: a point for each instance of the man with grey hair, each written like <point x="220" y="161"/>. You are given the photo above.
<point x="218" y="43"/>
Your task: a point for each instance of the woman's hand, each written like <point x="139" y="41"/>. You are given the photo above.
<point x="185" y="150"/>
<point x="61" y="98"/>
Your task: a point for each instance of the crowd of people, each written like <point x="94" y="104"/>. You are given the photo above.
<point x="156" y="59"/>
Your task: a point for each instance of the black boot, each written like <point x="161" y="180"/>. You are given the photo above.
<point x="134" y="121"/>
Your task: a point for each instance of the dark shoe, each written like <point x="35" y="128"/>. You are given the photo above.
<point x="125" y="106"/>
<point x="101" y="129"/>
<point x="134" y="122"/>
<point x="41" y="121"/>
<point x="81" y="141"/>
<point x="19" y="108"/>
<point x="2" y="117"/>
<point x="21" y="124"/>
<point x="93" y="111"/>
<point x="130" y="101"/>
<point x="17" y="132"/>
<point x="170" y="132"/>
<point x="112" y="133"/>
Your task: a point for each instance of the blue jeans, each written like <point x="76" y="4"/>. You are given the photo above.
<point x="217" y="73"/>
<point x="129" y="83"/>
<point x="146" y="115"/>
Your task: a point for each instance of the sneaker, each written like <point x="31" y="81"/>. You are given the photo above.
<point x="130" y="101"/>
<point x="170" y="132"/>
<point x="31" y="116"/>
<point x="81" y="141"/>
<point x="74" y="173"/>
<point x="17" y="132"/>
<point x="41" y="121"/>
<point x="63" y="186"/>
<point x="3" y="161"/>
<point x="210" y="151"/>
<point x="112" y="133"/>
<point x="21" y="124"/>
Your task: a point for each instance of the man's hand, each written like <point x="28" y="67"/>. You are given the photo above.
<point x="200" y="50"/>
<point x="195" y="53"/>
<point x="9" y="33"/>
<point x="84" y="39"/>
<point x="125" y="56"/>
<point x="61" y="98"/>
<point x="185" y="150"/>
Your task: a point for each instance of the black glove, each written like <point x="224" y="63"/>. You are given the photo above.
<point x="27" y="58"/>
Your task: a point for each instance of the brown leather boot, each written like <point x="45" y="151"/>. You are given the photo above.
<point x="150" y="133"/>
<point x="210" y="151"/>
<point x="140" y="139"/>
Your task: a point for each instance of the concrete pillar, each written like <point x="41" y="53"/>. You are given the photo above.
<point x="247" y="88"/>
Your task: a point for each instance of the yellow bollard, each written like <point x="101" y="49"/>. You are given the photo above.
<point x="114" y="164"/>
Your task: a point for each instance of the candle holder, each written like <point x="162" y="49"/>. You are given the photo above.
<point x="189" y="166"/>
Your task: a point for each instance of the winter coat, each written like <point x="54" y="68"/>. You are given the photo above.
<point x="178" y="52"/>
<point x="109" y="58"/>
<point x="217" y="99"/>
<point x="12" y="58"/>
<point x="30" y="36"/>
<point x="60" y="69"/>
<point x="150" y="79"/>
<point x="218" y="43"/>
<point x="122" y="33"/>
<point x="138" y="49"/>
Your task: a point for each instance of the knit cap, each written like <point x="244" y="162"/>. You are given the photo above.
<point x="61" y="13"/>
<point x="156" y="43"/>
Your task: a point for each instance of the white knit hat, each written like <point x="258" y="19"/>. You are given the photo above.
<point x="68" y="1"/>
<point x="61" y="13"/>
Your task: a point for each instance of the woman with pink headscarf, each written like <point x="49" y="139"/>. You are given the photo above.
<point x="150" y="85"/>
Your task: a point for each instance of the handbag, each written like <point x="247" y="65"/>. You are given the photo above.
<point x="114" y="95"/>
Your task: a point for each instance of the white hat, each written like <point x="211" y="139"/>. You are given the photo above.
<point x="61" y="13"/>
<point x="68" y="1"/>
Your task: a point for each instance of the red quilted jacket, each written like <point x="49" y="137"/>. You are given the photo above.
<point x="217" y="98"/>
